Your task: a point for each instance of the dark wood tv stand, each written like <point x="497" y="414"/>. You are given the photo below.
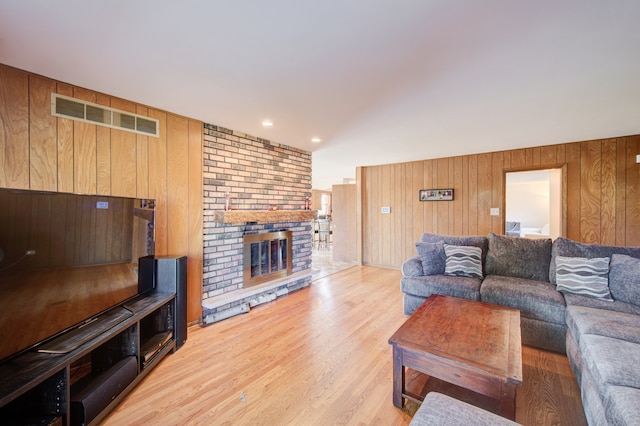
<point x="38" y="385"/>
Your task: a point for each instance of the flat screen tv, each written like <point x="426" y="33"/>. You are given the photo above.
<point x="64" y="260"/>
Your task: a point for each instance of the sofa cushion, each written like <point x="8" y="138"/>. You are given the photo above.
<point x="438" y="409"/>
<point x="624" y="278"/>
<point x="621" y="405"/>
<point x="566" y="247"/>
<point x="432" y="256"/>
<point x="592" y="399"/>
<point x="583" y="320"/>
<point x="611" y="361"/>
<point x="463" y="287"/>
<point x="474" y="240"/>
<point x="618" y="306"/>
<point x="463" y="261"/>
<point x="518" y="257"/>
<point x="543" y="334"/>
<point x="579" y="275"/>
<point x="535" y="299"/>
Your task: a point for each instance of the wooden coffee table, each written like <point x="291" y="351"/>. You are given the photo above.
<point x="470" y="344"/>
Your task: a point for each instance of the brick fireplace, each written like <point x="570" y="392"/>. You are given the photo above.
<point x="257" y="176"/>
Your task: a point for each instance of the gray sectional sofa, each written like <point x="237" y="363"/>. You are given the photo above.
<point x="574" y="298"/>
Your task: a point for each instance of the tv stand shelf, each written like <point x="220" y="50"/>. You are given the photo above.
<point x="41" y="382"/>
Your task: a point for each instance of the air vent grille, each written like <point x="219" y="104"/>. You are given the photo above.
<point x="75" y="109"/>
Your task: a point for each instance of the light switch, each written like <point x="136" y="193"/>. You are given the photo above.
<point x="495" y="211"/>
<point x="385" y="210"/>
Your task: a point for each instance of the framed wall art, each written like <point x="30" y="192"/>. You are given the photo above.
<point x="436" y="194"/>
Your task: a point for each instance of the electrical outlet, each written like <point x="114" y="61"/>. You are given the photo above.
<point x="385" y="210"/>
<point x="30" y="252"/>
<point x="494" y="211"/>
<point x="102" y="205"/>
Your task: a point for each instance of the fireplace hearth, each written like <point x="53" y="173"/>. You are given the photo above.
<point x="266" y="256"/>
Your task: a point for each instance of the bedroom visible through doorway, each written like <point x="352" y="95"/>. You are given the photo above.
<point x="534" y="203"/>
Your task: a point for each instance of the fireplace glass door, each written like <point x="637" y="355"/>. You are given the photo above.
<point x="266" y="256"/>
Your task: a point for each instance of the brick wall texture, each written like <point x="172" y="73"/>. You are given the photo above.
<point x="256" y="173"/>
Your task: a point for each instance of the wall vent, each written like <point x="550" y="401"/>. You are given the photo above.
<point x="75" y="109"/>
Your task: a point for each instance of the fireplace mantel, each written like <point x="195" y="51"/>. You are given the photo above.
<point x="263" y="216"/>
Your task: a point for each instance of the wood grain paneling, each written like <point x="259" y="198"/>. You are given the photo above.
<point x="590" y="191"/>
<point x="142" y="164"/>
<point x="573" y="190"/>
<point x="485" y="187"/>
<point x="497" y="185"/>
<point x="608" y="193"/>
<point x="123" y="155"/>
<point x="518" y="159"/>
<point x="464" y="186"/>
<point x="416" y="218"/>
<point x="103" y="152"/>
<point x="548" y="155"/>
<point x="84" y="149"/>
<point x="473" y="195"/>
<point x="602" y="201"/>
<point x="429" y="216"/>
<point x="621" y="192"/>
<point x="397" y="199"/>
<point x="177" y="185"/>
<point x="65" y="145"/>
<point x="43" y="158"/>
<point x="14" y="128"/>
<point x="442" y="207"/>
<point x="158" y="179"/>
<point x="195" y="254"/>
<point x="458" y="208"/>
<point x="344" y="222"/>
<point x="632" y="216"/>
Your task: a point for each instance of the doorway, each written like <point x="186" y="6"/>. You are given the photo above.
<point x="534" y="203"/>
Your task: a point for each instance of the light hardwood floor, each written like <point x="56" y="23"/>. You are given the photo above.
<point x="319" y="356"/>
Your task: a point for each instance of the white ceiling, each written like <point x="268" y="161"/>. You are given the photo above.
<point x="379" y="81"/>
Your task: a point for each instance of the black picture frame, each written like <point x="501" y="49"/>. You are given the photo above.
<point x="436" y="194"/>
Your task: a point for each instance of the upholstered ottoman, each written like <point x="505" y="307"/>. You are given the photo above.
<point x="441" y="410"/>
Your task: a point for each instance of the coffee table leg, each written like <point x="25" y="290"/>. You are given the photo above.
<point x="398" y="377"/>
<point x="508" y="403"/>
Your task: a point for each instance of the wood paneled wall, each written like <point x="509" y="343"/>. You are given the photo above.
<point x="42" y="152"/>
<point x="344" y="222"/>
<point x="602" y="196"/>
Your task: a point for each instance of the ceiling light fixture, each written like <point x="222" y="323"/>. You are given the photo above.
<point x="316" y="140"/>
<point x="267" y="123"/>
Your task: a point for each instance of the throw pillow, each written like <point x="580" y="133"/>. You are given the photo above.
<point x="624" y="278"/>
<point x="469" y="240"/>
<point x="463" y="261"/>
<point x="518" y="257"/>
<point x="566" y="247"/>
<point x="579" y="275"/>
<point x="432" y="256"/>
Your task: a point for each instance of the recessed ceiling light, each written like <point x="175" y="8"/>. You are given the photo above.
<point x="316" y="140"/>
<point x="267" y="123"/>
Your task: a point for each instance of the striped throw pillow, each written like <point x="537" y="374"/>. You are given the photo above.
<point x="463" y="261"/>
<point x="587" y="277"/>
